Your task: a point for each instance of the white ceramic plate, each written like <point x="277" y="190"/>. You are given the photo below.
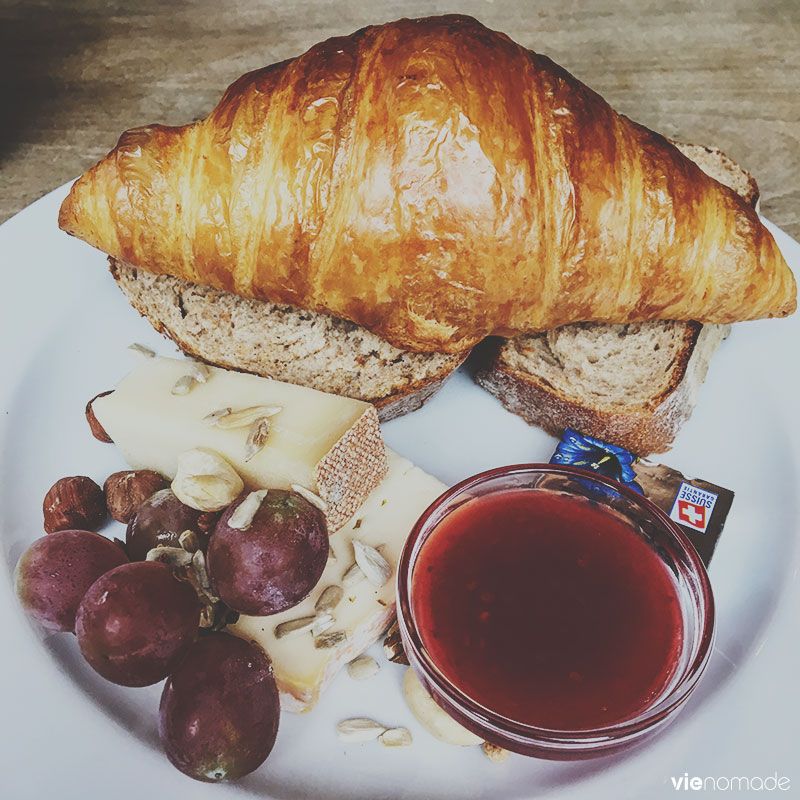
<point x="64" y="327"/>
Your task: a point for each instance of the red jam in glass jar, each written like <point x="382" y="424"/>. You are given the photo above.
<point x="547" y="609"/>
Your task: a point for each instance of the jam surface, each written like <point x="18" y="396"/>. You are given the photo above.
<point x="547" y="609"/>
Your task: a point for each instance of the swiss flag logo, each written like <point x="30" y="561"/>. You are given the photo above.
<point x="693" y="506"/>
<point x="692" y="514"/>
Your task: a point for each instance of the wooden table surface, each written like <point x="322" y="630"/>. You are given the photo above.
<point x="74" y="75"/>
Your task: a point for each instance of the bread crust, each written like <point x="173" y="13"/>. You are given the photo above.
<point x="642" y="428"/>
<point x="410" y="398"/>
<point x="435" y="183"/>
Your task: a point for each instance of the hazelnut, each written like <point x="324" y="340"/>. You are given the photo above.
<point x="97" y="429"/>
<point x="126" y="491"/>
<point x="75" y="502"/>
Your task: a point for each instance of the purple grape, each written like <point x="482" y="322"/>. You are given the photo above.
<point x="137" y="622"/>
<point x="161" y="519"/>
<point x="219" y="710"/>
<point x="56" y="571"/>
<point x="276" y="561"/>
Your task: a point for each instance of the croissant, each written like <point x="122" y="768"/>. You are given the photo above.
<point x="436" y="183"/>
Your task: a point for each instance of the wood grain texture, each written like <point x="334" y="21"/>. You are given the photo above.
<point x="75" y="75"/>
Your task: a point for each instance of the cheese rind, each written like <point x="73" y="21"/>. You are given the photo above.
<point x="384" y="521"/>
<point x="329" y="444"/>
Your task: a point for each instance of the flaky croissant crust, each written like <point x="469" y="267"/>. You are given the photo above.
<point x="434" y="182"/>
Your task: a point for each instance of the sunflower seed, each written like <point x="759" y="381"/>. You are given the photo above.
<point x="295" y="627"/>
<point x="201" y="572"/>
<point x="174" y="556"/>
<point x="363" y="667"/>
<point x="330" y="597"/>
<point x="199" y="371"/>
<point x="189" y="542"/>
<point x="184" y="385"/>
<point x="332" y="639"/>
<point x="352" y="576"/>
<point x="312" y="498"/>
<point x="321" y="624"/>
<point x="256" y="438"/>
<point x="495" y="753"/>
<point x="214" y="416"/>
<point x="359" y="729"/>
<point x="372" y="563"/>
<point x="242" y="517"/>
<point x="141" y="351"/>
<point x="191" y="568"/>
<point x="245" y="417"/>
<point x="396" y="737"/>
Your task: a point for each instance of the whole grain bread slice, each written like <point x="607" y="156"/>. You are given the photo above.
<point x="286" y="343"/>
<point x="633" y="385"/>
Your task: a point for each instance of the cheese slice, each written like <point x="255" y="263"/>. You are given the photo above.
<point x="383" y="521"/>
<point x="328" y="444"/>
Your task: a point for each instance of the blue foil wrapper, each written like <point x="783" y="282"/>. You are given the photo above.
<point x="578" y="450"/>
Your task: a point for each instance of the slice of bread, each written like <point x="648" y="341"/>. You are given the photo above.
<point x="285" y="343"/>
<point x="632" y="385"/>
<point x="327" y="353"/>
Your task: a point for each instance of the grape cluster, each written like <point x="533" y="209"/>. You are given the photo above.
<point x="136" y="618"/>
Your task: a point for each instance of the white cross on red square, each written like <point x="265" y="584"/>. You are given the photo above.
<point x="694" y="515"/>
<point x="693" y="507"/>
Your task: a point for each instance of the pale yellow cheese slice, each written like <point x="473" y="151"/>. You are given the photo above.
<point x="383" y="521"/>
<point x="328" y="444"/>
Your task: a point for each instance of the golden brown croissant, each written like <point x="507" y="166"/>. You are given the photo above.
<point x="434" y="182"/>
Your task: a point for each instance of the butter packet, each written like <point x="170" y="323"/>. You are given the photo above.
<point x="698" y="506"/>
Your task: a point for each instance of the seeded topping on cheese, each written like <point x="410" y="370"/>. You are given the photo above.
<point x="302" y="667"/>
<point x="330" y="445"/>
